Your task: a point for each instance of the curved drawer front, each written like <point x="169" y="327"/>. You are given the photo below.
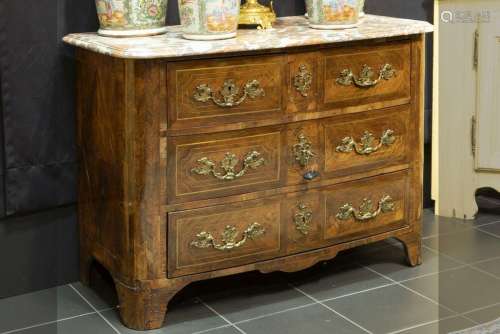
<point x="366" y="142"/>
<point x="223" y="236"/>
<point x="223" y="164"/>
<point x="367" y="77"/>
<point x="214" y="92"/>
<point x="366" y="207"/>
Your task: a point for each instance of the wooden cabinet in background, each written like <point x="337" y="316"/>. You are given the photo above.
<point x="199" y="165"/>
<point x="466" y="144"/>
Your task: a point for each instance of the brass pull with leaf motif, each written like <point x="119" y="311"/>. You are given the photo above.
<point x="229" y="93"/>
<point x="366" y="211"/>
<point x="367" y="145"/>
<point x="303" y="150"/>
<point x="252" y="160"/>
<point x="206" y="239"/>
<point x="303" y="80"/>
<point x="303" y="218"/>
<point x="365" y="78"/>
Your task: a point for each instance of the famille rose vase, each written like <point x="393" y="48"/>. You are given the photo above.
<point x="209" y="19"/>
<point x="333" y="14"/>
<point x="124" y="18"/>
<point x="361" y="8"/>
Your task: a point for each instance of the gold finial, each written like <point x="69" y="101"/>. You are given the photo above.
<point x="253" y="13"/>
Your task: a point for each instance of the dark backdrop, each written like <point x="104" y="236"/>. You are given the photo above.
<point x="38" y="234"/>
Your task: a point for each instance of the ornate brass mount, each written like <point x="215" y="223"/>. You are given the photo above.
<point x="303" y="218"/>
<point x="365" y="79"/>
<point x="367" y="145"/>
<point x="303" y="80"/>
<point x="206" y="240"/>
<point x="253" y="13"/>
<point x="252" y="160"/>
<point x="365" y="212"/>
<point x="303" y="151"/>
<point x="229" y="93"/>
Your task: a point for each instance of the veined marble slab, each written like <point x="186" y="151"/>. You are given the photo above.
<point x="290" y="31"/>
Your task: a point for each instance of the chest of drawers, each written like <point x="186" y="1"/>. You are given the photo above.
<point x="204" y="160"/>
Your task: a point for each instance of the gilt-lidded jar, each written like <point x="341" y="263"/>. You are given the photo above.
<point x="333" y="14"/>
<point x="125" y="18"/>
<point x="209" y="19"/>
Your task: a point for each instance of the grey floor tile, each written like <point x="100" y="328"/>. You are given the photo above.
<point x="434" y="225"/>
<point x="186" y="317"/>
<point x="358" y="254"/>
<point x="491" y="228"/>
<point x="492" y="266"/>
<point x="249" y="298"/>
<point x="392" y="262"/>
<point x="388" y="309"/>
<point x="485" y="315"/>
<point x="334" y="280"/>
<point x="314" y="319"/>
<point x="101" y="299"/>
<point x="40" y="307"/>
<point x="82" y="325"/>
<point x="442" y="327"/>
<point x="486" y="218"/>
<point x="467" y="246"/>
<point x="461" y="290"/>
<point x="224" y="330"/>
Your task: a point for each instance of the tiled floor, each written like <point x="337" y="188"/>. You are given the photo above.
<point x="366" y="290"/>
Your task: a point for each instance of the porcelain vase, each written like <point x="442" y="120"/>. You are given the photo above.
<point x="209" y="19"/>
<point x="333" y="14"/>
<point x="126" y="18"/>
<point x="361" y="8"/>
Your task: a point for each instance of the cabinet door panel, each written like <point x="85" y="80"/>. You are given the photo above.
<point x="488" y="117"/>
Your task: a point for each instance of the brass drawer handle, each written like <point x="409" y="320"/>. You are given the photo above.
<point x="365" y="212"/>
<point x="229" y="93"/>
<point x="365" y="79"/>
<point x="303" y="80"/>
<point x="206" y="240"/>
<point x="366" y="146"/>
<point x="252" y="160"/>
<point x="303" y="218"/>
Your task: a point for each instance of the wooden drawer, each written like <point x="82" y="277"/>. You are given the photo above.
<point x="224" y="164"/>
<point x="223" y="236"/>
<point x="362" y="78"/>
<point x="346" y="212"/>
<point x="366" y="141"/>
<point x="366" y="207"/>
<point x="205" y="93"/>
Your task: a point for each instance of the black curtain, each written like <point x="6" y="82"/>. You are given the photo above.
<point x="38" y="101"/>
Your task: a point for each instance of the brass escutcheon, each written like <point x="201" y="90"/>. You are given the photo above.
<point x="303" y="150"/>
<point x="303" y="218"/>
<point x="303" y="80"/>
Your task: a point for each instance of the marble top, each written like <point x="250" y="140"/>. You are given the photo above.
<point x="287" y="32"/>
